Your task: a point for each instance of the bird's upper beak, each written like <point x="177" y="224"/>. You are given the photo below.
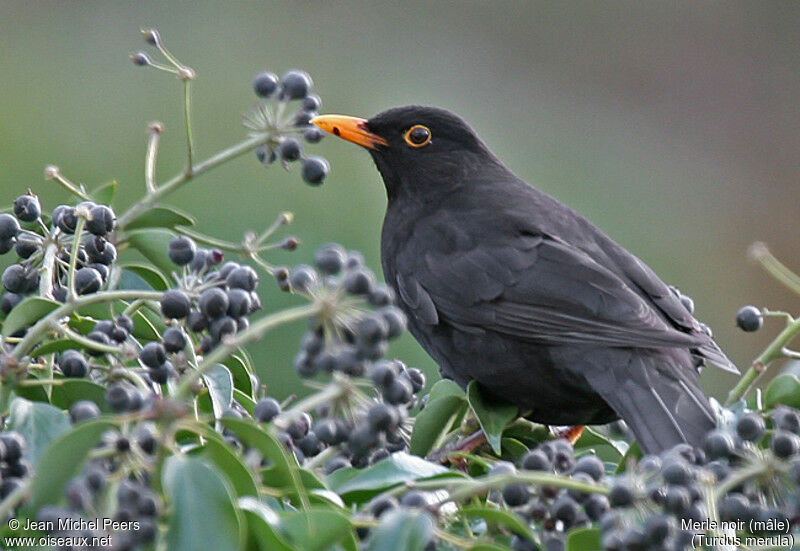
<point x="352" y="129"/>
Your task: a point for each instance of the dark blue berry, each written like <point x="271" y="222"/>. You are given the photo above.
<point x="181" y="250"/>
<point x="175" y="304"/>
<point x="749" y="319"/>
<point x="265" y="84"/>
<point x="314" y="170"/>
<point x="295" y="84"/>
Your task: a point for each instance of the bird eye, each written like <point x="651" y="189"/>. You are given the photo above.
<point x="417" y="136"/>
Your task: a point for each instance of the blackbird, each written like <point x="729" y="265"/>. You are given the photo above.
<point x="505" y="285"/>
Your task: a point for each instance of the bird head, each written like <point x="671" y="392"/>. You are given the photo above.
<point x="418" y="150"/>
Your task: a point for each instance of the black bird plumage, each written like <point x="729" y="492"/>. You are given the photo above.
<point x="505" y="285"/>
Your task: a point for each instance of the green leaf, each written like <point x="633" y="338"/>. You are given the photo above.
<point x="513" y="448"/>
<point x="230" y="464"/>
<point x="161" y="217"/>
<point x="74" y="390"/>
<point x="143" y="327"/>
<point x="606" y="448"/>
<point x="153" y="245"/>
<point x="105" y="193"/>
<point x="284" y="471"/>
<point x="203" y="514"/>
<point x="39" y="423"/>
<point x="633" y="454"/>
<point x="26" y="313"/>
<point x="358" y="485"/>
<point x="241" y="375"/>
<point x="445" y="403"/>
<point x="584" y="539"/>
<point x="262" y="525"/>
<point x="220" y="387"/>
<point x="62" y="460"/>
<point x="56" y="345"/>
<point x="493" y="415"/>
<point x="314" y="529"/>
<point x="244" y="400"/>
<point x="498" y="517"/>
<point x="783" y="389"/>
<point x="152" y="277"/>
<point x="402" y="529"/>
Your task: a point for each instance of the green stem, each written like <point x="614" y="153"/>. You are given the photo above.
<point x="251" y="334"/>
<point x="69" y="186"/>
<point x="73" y="258"/>
<point x="86" y="342"/>
<point x="211" y="241"/>
<point x="44" y="325"/>
<point x="150" y="158"/>
<point x="772" y="352"/>
<point x="48" y="269"/>
<point x="761" y="254"/>
<point x="187" y="122"/>
<point x="177" y="181"/>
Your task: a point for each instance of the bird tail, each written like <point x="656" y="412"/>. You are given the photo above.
<point x="659" y="397"/>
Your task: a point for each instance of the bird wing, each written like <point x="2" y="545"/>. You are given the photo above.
<point x="534" y="288"/>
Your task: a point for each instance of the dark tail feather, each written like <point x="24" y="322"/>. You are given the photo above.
<point x="660" y="400"/>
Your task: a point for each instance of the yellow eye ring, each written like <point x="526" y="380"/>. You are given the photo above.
<point x="417" y="136"/>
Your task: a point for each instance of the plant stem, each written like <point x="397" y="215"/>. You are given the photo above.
<point x="41" y="327"/>
<point x="761" y="254"/>
<point x="772" y="352"/>
<point x="48" y="269"/>
<point x="73" y="258"/>
<point x="187" y="122"/>
<point x="69" y="186"/>
<point x="86" y="342"/>
<point x="178" y="180"/>
<point x="252" y="333"/>
<point x="150" y="157"/>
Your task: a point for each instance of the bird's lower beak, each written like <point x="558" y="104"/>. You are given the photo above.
<point x="352" y="129"/>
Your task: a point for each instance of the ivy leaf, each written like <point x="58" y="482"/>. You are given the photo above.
<point x="445" y="403"/>
<point x="153" y="243"/>
<point x="605" y="448"/>
<point x="26" y="313"/>
<point x="262" y="523"/>
<point x="161" y="217"/>
<point x="104" y="194"/>
<point x="402" y="529"/>
<point x="220" y="387"/>
<point x="203" y="514"/>
<point x="75" y="390"/>
<point x="228" y="463"/>
<point x="39" y="423"/>
<point x="493" y="415"/>
<point x="584" y="539"/>
<point x="151" y="277"/>
<point x="62" y="460"/>
<point x="315" y="529"/>
<point x="498" y="517"/>
<point x="783" y="389"/>
<point x="358" y="485"/>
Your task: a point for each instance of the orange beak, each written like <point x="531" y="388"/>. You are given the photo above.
<point x="352" y="129"/>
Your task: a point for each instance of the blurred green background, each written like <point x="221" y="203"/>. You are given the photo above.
<point x="674" y="126"/>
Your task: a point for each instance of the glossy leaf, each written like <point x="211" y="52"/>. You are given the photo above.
<point x="161" y="217"/>
<point x="230" y="464"/>
<point x="151" y="276"/>
<point x="26" y="313"/>
<point x="262" y="523"/>
<point x="55" y="345"/>
<point x="444" y="404"/>
<point x="402" y="529"/>
<point x="493" y="415"/>
<point x="202" y="509"/>
<point x="153" y="243"/>
<point x="63" y="459"/>
<point x="39" y="423"/>
<point x="783" y="389"/>
<point x="104" y="194"/>
<point x="584" y="539"/>
<point x="314" y="529"/>
<point x="498" y="517"/>
<point x="74" y="390"/>
<point x="358" y="485"/>
<point x="220" y="388"/>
